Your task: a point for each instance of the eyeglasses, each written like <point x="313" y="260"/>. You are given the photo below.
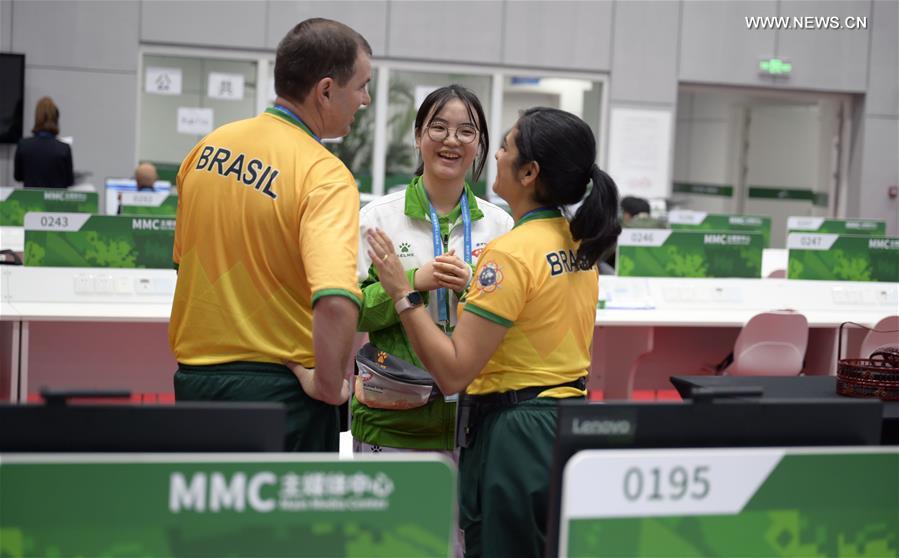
<point x="465" y="133"/>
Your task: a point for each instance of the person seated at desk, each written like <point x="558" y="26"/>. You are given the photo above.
<point x="145" y="176"/>
<point x="42" y="161"/>
<point x="635" y="214"/>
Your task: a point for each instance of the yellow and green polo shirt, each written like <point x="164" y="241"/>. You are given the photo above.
<point x="267" y="223"/>
<point x="527" y="280"/>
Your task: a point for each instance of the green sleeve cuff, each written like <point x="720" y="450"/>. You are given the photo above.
<point x="336" y="292"/>
<point x="410" y="276"/>
<point x="487" y="315"/>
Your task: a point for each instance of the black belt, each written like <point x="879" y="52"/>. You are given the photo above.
<point x="473" y="408"/>
<point x="510" y="398"/>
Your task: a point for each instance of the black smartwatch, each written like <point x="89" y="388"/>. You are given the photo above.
<point x="411" y="300"/>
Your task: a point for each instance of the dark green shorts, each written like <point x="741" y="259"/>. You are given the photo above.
<point x="504" y="481"/>
<point x="311" y="424"/>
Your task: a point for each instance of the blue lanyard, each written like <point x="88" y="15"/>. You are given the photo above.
<point x="438" y="248"/>
<point x="288" y="112"/>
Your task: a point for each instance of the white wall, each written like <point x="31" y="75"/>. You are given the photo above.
<point x="705" y="150"/>
<point x="85" y="54"/>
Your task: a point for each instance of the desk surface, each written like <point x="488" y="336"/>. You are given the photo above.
<point x="661" y="301"/>
<point x="725" y="318"/>
<point x="145" y="295"/>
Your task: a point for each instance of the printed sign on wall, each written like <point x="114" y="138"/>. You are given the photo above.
<point x="194" y="121"/>
<point x="640" y="151"/>
<point x="228" y="87"/>
<point x="163" y="81"/>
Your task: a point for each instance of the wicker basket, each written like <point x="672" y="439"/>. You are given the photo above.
<point x="877" y="376"/>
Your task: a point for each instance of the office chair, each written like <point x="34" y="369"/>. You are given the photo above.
<point x="884" y="334"/>
<point x="770" y="344"/>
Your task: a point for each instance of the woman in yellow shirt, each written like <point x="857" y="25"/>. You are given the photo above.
<point x="523" y="338"/>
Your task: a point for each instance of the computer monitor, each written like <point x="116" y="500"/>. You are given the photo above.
<point x="182" y="427"/>
<point x="721" y="423"/>
<point x="116" y="185"/>
<point x="12" y="96"/>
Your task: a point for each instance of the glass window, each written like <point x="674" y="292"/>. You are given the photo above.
<point x="160" y="140"/>
<point x="577" y="96"/>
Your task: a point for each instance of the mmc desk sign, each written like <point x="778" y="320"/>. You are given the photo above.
<point x="866" y="227"/>
<point x="684" y="253"/>
<point x="838" y="257"/>
<point x="225" y="505"/>
<point x="700" y="220"/>
<point x="16" y="202"/>
<point x="731" y="502"/>
<point x="82" y="240"/>
<point x="147" y="203"/>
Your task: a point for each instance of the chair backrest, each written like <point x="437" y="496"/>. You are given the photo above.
<point x="887" y="334"/>
<point x="771" y="344"/>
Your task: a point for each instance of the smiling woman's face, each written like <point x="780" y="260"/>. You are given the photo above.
<point x="450" y="159"/>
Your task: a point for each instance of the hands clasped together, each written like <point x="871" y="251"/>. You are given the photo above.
<point x="445" y="271"/>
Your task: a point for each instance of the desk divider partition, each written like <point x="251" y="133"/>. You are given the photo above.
<point x="148" y="203"/>
<point x="731" y="502"/>
<point x="866" y="227"/>
<point x="16" y="202"/>
<point x="839" y="257"/>
<point x="81" y="240"/>
<point x="700" y="220"/>
<point x="226" y="505"/>
<point x="683" y="253"/>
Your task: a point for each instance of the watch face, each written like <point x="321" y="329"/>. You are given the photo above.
<point x="415" y="298"/>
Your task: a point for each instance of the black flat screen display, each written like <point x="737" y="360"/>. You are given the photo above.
<point x="12" y="96"/>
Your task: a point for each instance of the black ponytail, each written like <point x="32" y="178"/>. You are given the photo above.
<point x="564" y="147"/>
<point x="595" y="223"/>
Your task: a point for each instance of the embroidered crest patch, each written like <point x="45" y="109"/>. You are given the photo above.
<point x="490" y="278"/>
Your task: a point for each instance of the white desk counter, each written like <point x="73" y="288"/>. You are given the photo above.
<point x="93" y="328"/>
<point x="84" y="328"/>
<point x="654" y="328"/>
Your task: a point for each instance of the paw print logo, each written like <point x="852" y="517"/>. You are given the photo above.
<point x="382" y="356"/>
<point x="404" y="247"/>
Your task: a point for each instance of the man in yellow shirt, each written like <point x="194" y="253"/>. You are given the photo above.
<point x="266" y="243"/>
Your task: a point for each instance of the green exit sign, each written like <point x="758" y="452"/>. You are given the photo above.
<point x="775" y="67"/>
